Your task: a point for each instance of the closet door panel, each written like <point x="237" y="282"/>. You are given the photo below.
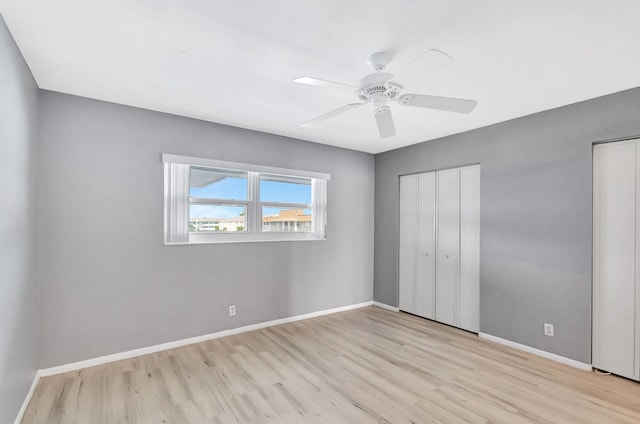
<point x="469" y="247"/>
<point x="614" y="219"/>
<point x="425" y="255"/>
<point x="408" y="242"/>
<point x="447" y="183"/>
<point x="636" y="367"/>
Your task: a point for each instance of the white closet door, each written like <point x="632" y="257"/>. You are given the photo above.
<point x="426" y="253"/>
<point x="408" y="242"/>
<point x="469" y="247"/>
<point x="615" y="346"/>
<point x="636" y="367"/>
<point x="447" y="265"/>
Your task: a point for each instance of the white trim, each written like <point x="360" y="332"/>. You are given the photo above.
<point x="241" y="240"/>
<point x="213" y="163"/>
<point x="385" y="306"/>
<point x="74" y="366"/>
<point x="25" y="404"/>
<point x="533" y="350"/>
<point x="247" y="237"/>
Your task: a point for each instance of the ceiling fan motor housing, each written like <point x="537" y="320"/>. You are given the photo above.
<point x="376" y="90"/>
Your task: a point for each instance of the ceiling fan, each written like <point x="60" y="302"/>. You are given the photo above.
<point x="380" y="87"/>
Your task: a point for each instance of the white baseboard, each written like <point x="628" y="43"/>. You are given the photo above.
<point x="533" y="350"/>
<point x="385" y="306"/>
<point x="23" y="409"/>
<point x="74" y="366"/>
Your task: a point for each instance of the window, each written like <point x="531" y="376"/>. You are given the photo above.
<point x="285" y="203"/>
<point x="217" y="200"/>
<point x="210" y="201"/>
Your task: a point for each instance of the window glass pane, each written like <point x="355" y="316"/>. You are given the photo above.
<point x="286" y="220"/>
<point x="212" y="183"/>
<point x="277" y="188"/>
<point x="217" y="218"/>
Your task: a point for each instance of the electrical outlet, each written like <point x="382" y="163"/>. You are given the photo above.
<point x="232" y="310"/>
<point x="548" y="329"/>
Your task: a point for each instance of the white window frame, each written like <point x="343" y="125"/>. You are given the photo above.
<point x="176" y="203"/>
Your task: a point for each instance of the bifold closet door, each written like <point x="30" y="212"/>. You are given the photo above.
<point x="615" y="280"/>
<point x="439" y="246"/>
<point x="458" y="246"/>
<point x="408" y="242"/>
<point x="448" y="246"/>
<point x="417" y="244"/>
<point x="425" y="254"/>
<point x="470" y="248"/>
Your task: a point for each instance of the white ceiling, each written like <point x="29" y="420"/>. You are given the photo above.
<point x="233" y="61"/>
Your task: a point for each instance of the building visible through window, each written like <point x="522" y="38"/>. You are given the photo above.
<point x="285" y="220"/>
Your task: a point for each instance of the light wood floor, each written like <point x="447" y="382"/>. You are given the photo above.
<point x="363" y="366"/>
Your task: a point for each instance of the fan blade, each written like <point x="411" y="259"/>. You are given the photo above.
<point x="324" y="83"/>
<point x="331" y="114"/>
<point x="386" y="128"/>
<point x="440" y="103"/>
<point x="428" y="62"/>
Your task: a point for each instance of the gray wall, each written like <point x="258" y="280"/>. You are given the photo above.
<point x="535" y="253"/>
<point x="111" y="285"/>
<point x="18" y="228"/>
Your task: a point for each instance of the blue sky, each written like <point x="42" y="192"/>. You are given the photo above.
<point x="236" y="188"/>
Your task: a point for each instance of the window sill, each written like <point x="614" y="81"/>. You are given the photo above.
<point x="186" y="243"/>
